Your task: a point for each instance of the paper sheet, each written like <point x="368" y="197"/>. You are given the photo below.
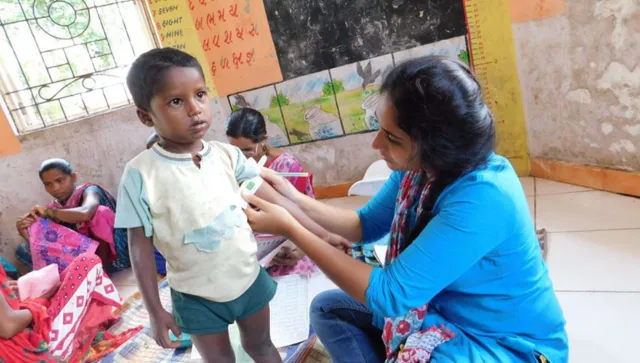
<point x="266" y="260"/>
<point x="289" y="311"/>
<point x="267" y="246"/>
<point x="195" y="355"/>
<point x="380" y="252"/>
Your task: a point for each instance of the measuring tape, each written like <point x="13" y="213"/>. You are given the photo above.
<point x="493" y="58"/>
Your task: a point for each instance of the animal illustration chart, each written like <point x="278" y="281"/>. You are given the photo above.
<point x="333" y="60"/>
<point x="333" y="56"/>
<point x="334" y="102"/>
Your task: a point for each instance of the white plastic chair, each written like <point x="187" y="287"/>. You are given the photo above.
<point x="374" y="178"/>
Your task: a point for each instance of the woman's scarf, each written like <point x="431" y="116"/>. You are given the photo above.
<point x="404" y="338"/>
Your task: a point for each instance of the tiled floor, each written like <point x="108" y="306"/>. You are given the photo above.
<point x="593" y="258"/>
<point x="594" y="262"/>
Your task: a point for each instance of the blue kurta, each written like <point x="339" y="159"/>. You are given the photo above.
<point x="478" y="264"/>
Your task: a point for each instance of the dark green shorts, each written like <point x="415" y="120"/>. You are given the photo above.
<point x="196" y="315"/>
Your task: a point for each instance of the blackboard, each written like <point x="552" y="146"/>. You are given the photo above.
<point x="314" y="35"/>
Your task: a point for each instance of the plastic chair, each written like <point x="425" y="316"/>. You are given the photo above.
<point x="374" y="178"/>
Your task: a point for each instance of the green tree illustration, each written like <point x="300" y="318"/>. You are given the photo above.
<point x="328" y="88"/>
<point x="279" y="99"/>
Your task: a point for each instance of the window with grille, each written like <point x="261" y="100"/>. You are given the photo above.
<point x="64" y="60"/>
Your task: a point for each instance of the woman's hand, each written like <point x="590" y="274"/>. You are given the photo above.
<point x="270" y="218"/>
<point x="282" y="185"/>
<point x="23" y="224"/>
<point x="339" y="242"/>
<point x="39" y="211"/>
<point x="288" y="256"/>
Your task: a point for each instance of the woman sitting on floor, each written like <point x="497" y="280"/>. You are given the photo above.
<point x="464" y="279"/>
<point x="63" y="323"/>
<point x="80" y="219"/>
<point x="247" y="130"/>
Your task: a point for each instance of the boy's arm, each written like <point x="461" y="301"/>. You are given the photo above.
<point x="144" y="267"/>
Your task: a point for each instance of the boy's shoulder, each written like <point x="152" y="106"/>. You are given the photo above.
<point x="225" y="151"/>
<point x="142" y="159"/>
<point x="227" y="148"/>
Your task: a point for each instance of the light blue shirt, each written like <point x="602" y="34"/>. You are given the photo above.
<point x="194" y="216"/>
<point x="478" y="264"/>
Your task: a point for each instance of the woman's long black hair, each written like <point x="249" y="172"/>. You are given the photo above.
<point x="438" y="102"/>
<point x="248" y="123"/>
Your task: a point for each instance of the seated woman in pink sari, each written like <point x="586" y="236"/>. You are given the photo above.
<point x="247" y="130"/>
<point x="66" y="324"/>
<point x="80" y="219"/>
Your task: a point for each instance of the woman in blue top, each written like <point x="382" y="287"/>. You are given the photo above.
<point x="464" y="279"/>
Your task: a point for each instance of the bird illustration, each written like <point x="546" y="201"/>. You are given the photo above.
<point x="366" y="75"/>
<point x="241" y="102"/>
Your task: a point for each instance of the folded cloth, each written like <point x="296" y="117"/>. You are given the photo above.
<point x="39" y="282"/>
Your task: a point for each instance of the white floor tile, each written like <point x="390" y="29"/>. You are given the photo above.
<point x="544" y="187"/>
<point x="602" y="327"/>
<point x="528" y="185"/>
<point x="595" y="261"/>
<point x="588" y="211"/>
<point x="532" y="207"/>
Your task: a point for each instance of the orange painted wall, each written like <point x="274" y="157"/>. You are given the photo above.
<point x="9" y="143"/>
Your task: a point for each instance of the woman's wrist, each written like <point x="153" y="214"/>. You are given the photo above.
<point x="301" y="200"/>
<point x="293" y="229"/>
<point x="51" y="214"/>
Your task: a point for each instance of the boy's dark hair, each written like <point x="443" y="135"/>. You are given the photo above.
<point x="247" y="123"/>
<point x="59" y="164"/>
<point x="145" y="76"/>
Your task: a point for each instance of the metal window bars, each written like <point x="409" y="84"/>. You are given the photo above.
<point x="63" y="60"/>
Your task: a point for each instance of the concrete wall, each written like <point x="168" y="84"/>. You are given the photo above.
<point x="580" y="79"/>
<point x="100" y="146"/>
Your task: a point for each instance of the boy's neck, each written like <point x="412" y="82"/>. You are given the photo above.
<point x="179" y="148"/>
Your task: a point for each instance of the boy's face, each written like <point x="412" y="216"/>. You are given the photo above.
<point x="180" y="111"/>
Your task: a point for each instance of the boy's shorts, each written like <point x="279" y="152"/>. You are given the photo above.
<point x="196" y="315"/>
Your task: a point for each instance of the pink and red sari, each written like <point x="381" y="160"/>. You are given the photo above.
<point x="287" y="163"/>
<point x="76" y="318"/>
<point x="51" y="242"/>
